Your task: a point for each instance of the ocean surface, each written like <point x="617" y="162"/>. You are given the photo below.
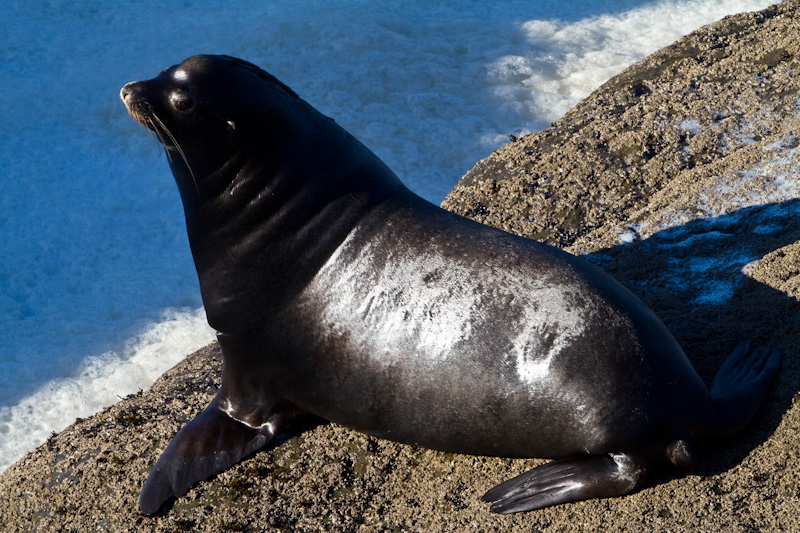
<point x="98" y="293"/>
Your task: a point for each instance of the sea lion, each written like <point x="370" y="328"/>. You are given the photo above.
<point x="336" y="291"/>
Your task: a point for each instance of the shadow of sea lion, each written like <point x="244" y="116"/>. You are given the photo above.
<point x="695" y="278"/>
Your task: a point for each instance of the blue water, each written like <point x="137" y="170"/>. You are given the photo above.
<point x="98" y="294"/>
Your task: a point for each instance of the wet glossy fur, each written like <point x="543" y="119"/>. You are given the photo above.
<point x="338" y="292"/>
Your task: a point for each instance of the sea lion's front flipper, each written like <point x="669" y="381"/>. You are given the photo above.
<point x="568" y="480"/>
<point x="207" y="445"/>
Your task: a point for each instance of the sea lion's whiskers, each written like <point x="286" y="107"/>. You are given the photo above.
<point x="149" y="129"/>
<point x="159" y="137"/>
<point x="177" y="147"/>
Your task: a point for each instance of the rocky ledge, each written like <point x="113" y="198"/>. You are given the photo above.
<point x="679" y="177"/>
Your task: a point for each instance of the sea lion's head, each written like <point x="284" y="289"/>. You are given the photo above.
<point x="208" y="112"/>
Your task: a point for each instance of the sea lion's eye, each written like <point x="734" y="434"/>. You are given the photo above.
<point x="181" y="102"/>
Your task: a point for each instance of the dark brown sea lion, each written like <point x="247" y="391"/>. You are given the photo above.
<point x="338" y="292"/>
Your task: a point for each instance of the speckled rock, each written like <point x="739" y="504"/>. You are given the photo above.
<point x="679" y="178"/>
<point x="689" y="132"/>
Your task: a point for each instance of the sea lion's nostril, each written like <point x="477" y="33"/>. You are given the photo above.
<point x="127" y="90"/>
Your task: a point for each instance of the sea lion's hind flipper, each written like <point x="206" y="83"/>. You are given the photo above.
<point x="207" y="445"/>
<point x="572" y="479"/>
<point x="740" y="386"/>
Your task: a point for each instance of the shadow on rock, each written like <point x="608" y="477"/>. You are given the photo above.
<point x="699" y="280"/>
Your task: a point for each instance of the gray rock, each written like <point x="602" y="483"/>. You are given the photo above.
<point x="678" y="177"/>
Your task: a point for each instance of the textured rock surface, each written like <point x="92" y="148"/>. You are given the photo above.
<point x="664" y="142"/>
<point x="679" y="177"/>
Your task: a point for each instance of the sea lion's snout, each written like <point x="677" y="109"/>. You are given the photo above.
<point x="125" y="91"/>
<point x="128" y="92"/>
<point x="131" y="96"/>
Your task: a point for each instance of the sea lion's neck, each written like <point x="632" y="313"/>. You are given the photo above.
<point x="279" y="213"/>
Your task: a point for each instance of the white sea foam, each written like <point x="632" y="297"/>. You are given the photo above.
<point x="557" y="63"/>
<point x="101" y="381"/>
<point x="91" y="229"/>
